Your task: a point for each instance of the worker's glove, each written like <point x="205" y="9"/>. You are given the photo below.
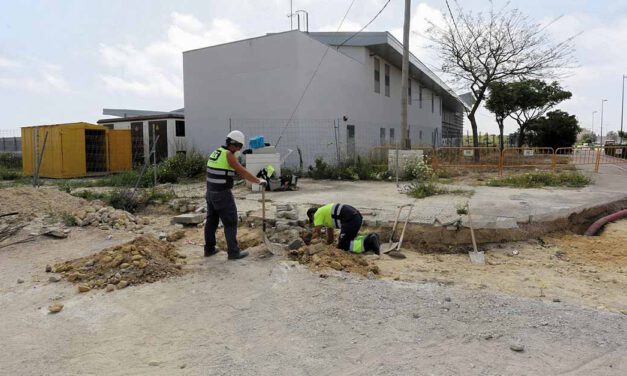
<point x="263" y="182"/>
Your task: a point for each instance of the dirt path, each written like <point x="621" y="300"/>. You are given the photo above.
<point x="270" y="317"/>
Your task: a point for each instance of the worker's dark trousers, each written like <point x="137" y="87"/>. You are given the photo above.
<point x="221" y="206"/>
<point x="349" y="232"/>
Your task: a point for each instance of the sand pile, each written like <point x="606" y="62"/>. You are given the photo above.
<point x="143" y="260"/>
<point x="29" y="201"/>
<point x="321" y="256"/>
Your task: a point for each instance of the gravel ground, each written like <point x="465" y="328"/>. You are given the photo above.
<point x="271" y="317"/>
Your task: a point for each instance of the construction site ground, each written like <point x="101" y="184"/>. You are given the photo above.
<point x="559" y="297"/>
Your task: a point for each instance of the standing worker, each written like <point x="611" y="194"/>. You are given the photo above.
<point x="221" y="168"/>
<point x="348" y="220"/>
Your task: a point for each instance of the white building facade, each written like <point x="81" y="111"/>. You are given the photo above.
<point x="350" y="107"/>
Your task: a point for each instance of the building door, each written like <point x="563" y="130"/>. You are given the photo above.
<point x="350" y="141"/>
<point x="159" y="128"/>
<point x="137" y="143"/>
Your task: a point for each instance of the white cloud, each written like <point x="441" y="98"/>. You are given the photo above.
<point x="156" y="69"/>
<point x="421" y="16"/>
<point x="32" y="76"/>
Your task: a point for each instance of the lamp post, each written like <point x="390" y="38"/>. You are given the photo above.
<point x="593" y="112"/>
<point x="602" y="102"/>
<point x="622" y="103"/>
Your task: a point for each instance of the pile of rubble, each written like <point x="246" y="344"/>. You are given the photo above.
<point x="106" y="217"/>
<point x="184" y="205"/>
<point x="322" y="256"/>
<point x="143" y="260"/>
<point x="288" y="229"/>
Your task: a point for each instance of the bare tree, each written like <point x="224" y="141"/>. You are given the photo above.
<point x="478" y="49"/>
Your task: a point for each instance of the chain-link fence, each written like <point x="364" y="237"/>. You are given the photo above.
<point x="336" y="141"/>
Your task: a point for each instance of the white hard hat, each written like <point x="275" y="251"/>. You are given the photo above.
<point x="237" y="136"/>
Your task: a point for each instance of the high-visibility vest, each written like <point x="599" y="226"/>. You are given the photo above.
<point x="357" y="244"/>
<point x="219" y="172"/>
<point x="328" y="216"/>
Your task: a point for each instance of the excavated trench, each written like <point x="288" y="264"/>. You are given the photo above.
<point x="427" y="238"/>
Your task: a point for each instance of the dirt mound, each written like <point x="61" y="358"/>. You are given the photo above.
<point x="29" y="201"/>
<point x="322" y="256"/>
<point x="143" y="260"/>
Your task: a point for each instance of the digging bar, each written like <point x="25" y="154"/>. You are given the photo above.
<point x="266" y="241"/>
<point x="475" y="256"/>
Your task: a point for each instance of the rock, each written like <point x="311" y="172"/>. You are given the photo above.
<point x="104" y="227"/>
<point x="175" y="235"/>
<point x="122" y="284"/>
<point x="556" y="300"/>
<point x="55" y="307"/>
<point x="162" y="235"/>
<point x="54" y="278"/>
<point x="447" y="299"/>
<point x="48" y="268"/>
<point x="106" y="259"/>
<point x="89" y="209"/>
<point x="146" y="221"/>
<point x="374" y="269"/>
<point x="153" y="363"/>
<point x="81" y="214"/>
<point x="335" y="265"/>
<point x="20" y="280"/>
<point x="125" y="265"/>
<point x="517" y="347"/>
<point x="90" y="263"/>
<point x="182" y="366"/>
<point x="296" y="243"/>
<point x="189" y="219"/>
<point x="110" y="287"/>
<point x="75" y="277"/>
<point x="55" y="233"/>
<point x="416" y="315"/>
<point x="83" y="288"/>
<point x="137" y="257"/>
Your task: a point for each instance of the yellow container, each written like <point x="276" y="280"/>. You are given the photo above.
<point x="75" y="150"/>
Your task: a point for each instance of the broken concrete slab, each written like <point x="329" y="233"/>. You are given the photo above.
<point x="189" y="218"/>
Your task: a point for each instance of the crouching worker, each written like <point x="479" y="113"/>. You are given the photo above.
<point x="221" y="169"/>
<point x="348" y="220"/>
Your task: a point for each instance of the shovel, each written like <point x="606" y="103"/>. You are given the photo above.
<point x="392" y="248"/>
<point x="475" y="256"/>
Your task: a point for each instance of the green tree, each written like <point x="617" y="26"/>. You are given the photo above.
<point x="501" y="103"/>
<point x="532" y="99"/>
<point x="557" y="129"/>
<point x="622" y="135"/>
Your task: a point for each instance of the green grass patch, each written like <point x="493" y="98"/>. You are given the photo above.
<point x="573" y="179"/>
<point x="356" y="169"/>
<point x="9" y="173"/>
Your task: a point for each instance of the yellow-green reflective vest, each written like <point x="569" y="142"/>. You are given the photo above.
<point x="328" y="216"/>
<point x="219" y="171"/>
<point x="357" y="245"/>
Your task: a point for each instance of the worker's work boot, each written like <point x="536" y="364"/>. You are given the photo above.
<point x="372" y="243"/>
<point x="237" y="256"/>
<point x="209" y="252"/>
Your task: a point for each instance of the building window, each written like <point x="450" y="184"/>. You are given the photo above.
<point x="420" y="95"/>
<point x="392" y="136"/>
<point x="409" y="91"/>
<point x="387" y="80"/>
<point x="180" y="128"/>
<point x="432" y="102"/>
<point x="377" y="75"/>
<point x="440" y="102"/>
<point x="420" y="134"/>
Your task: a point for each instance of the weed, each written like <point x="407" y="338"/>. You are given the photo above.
<point x="417" y="169"/>
<point x="68" y="219"/>
<point x="92" y="195"/>
<point x="9" y="174"/>
<point x="424" y="189"/>
<point x="462" y="210"/>
<point x="540" y="179"/>
<point x="356" y="169"/>
<point x="126" y="199"/>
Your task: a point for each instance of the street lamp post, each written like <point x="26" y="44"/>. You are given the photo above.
<point x="622" y="103"/>
<point x="593" y="112"/>
<point x="602" y="102"/>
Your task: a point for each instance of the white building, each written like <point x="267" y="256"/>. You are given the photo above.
<point x="145" y="126"/>
<point x="351" y="105"/>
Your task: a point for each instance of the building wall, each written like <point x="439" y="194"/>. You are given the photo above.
<point x="254" y="85"/>
<point x="175" y="144"/>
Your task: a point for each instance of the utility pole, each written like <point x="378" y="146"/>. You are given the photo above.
<point x="602" y="102"/>
<point x="291" y="15"/>
<point x="405" y="76"/>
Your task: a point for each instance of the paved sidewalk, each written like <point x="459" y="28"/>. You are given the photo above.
<point x="491" y="207"/>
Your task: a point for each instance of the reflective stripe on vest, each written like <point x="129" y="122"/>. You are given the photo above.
<point x="335" y="215"/>
<point x="357" y="245"/>
<point x="219" y="171"/>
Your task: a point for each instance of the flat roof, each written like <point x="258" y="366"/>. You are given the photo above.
<point x="142" y="118"/>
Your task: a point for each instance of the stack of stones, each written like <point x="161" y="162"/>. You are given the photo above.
<point x="107" y="217"/>
<point x="288" y="229"/>
<point x="182" y="206"/>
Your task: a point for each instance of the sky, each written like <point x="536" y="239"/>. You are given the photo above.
<point x="66" y="60"/>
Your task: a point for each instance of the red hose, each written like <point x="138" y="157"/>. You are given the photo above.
<point x="596" y="226"/>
